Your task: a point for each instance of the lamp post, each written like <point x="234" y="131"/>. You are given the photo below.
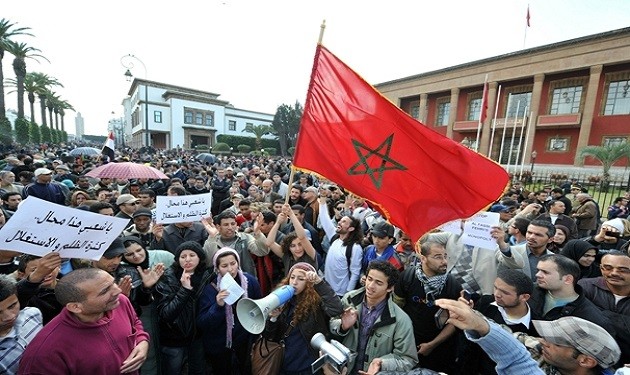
<point x="531" y="170"/>
<point x="127" y="62"/>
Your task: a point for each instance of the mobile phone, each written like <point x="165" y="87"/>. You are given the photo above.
<point x="613" y="234"/>
<point x="441" y="316"/>
<point x="467" y="295"/>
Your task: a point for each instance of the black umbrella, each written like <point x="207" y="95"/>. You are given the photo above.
<point x="206" y="158"/>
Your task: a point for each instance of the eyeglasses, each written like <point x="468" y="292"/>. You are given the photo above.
<point x="132" y="204"/>
<point x="338" y="208"/>
<point x="607" y="267"/>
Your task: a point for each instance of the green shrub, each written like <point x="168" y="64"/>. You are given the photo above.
<point x="21" y="131"/>
<point x="33" y="133"/>
<point x="243" y="149"/>
<point x="45" y="133"/>
<point x="6" y="132"/>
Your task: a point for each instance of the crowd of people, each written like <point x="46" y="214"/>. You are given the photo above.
<point x="553" y="295"/>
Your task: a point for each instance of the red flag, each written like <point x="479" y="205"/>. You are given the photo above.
<point x="109" y="147"/>
<point x="484" y="104"/>
<point x="528" y="25"/>
<point x="417" y="178"/>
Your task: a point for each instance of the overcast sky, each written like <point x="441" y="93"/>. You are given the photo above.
<point x="258" y="54"/>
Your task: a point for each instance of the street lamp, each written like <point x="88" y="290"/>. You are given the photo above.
<point x="534" y="154"/>
<point x="127" y="62"/>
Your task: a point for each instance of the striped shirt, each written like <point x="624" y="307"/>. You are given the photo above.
<point x="27" y="324"/>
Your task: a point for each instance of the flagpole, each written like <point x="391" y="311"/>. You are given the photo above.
<point x="291" y="177"/>
<point x="529" y="124"/>
<point x="483" y="97"/>
<point x="321" y="32"/>
<point x="520" y="141"/>
<point x="504" y="128"/>
<point x="518" y="106"/>
<point x="526" y="26"/>
<point x="494" y="121"/>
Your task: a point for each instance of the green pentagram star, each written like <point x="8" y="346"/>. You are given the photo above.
<point x="363" y="167"/>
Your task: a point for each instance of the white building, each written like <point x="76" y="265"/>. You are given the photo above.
<point x="79" y="124"/>
<point x="175" y="116"/>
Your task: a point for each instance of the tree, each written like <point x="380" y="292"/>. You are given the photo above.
<point x="61" y="107"/>
<point x="607" y="156"/>
<point x="36" y="84"/>
<point x="34" y="134"/>
<point x="259" y="131"/>
<point x="45" y="132"/>
<point x="6" y="132"/>
<point x="21" y="51"/>
<point x="8" y="30"/>
<point x="286" y="124"/>
<point x="22" y="127"/>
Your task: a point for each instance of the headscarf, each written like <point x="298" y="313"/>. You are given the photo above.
<point x="195" y="247"/>
<point x="575" y="249"/>
<point x="229" y="313"/>
<point x="145" y="263"/>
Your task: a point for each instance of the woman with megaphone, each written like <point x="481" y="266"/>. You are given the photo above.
<point x="224" y="338"/>
<point x="307" y="313"/>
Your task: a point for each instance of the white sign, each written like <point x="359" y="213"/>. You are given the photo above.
<point x="228" y="283"/>
<point x="39" y="227"/>
<point x="182" y="208"/>
<point x="477" y="230"/>
<point x="454" y="227"/>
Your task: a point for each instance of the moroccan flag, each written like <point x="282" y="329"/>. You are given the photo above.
<point x="109" y="147"/>
<point x="417" y="178"/>
<point x="484" y="104"/>
<point x="527" y="17"/>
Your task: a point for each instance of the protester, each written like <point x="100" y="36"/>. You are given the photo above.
<point x="96" y="316"/>
<point x="584" y="254"/>
<point x="225" y="341"/>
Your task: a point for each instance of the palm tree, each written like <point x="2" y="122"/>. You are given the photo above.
<point x="63" y="105"/>
<point x="286" y="124"/>
<point x="51" y="100"/>
<point x="35" y="83"/>
<point x="21" y="51"/>
<point x="258" y="131"/>
<point x="608" y="156"/>
<point x="7" y="31"/>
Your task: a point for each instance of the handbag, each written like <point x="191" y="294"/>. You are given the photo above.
<point x="267" y="356"/>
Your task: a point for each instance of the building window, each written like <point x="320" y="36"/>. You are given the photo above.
<point x="443" y="109"/>
<point x="188" y="117"/>
<point x="558" y="144"/>
<point x="157" y="117"/>
<point x="232" y="125"/>
<point x="566" y="100"/>
<point x="198" y="118"/>
<point x="415" y="111"/>
<point x="618" y="98"/>
<point x="518" y="101"/>
<point x="474" y="109"/>
<point x="210" y="119"/>
<point x="613" y="141"/>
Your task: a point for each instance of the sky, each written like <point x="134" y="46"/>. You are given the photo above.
<point x="258" y="54"/>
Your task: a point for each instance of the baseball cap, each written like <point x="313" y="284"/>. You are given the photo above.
<point x="142" y="212"/>
<point x="500" y="208"/>
<point x="240" y="174"/>
<point x="125" y="198"/>
<point x="382" y="229"/>
<point x="311" y="189"/>
<point x="41" y="171"/>
<point x="62" y="166"/>
<point x="588" y="338"/>
<point x="115" y="249"/>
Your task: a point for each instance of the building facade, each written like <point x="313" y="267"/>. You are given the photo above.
<point x="544" y="103"/>
<point x="166" y="116"/>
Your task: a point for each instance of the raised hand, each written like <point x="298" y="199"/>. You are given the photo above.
<point x="150" y="276"/>
<point x="125" y="285"/>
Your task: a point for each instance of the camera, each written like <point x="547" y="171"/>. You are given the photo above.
<point x="334" y="353"/>
<point x="613" y="234"/>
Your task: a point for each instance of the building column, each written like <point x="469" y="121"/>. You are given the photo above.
<point x="486" y="128"/>
<point x="586" y="122"/>
<point x="423" y="108"/>
<point x="452" y="113"/>
<point x="539" y="79"/>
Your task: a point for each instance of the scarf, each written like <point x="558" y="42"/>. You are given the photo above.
<point x="432" y="285"/>
<point x="242" y="280"/>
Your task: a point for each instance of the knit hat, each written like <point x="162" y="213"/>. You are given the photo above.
<point x="192" y="246"/>
<point x="616" y="223"/>
<point x="229" y="313"/>
<point x="301" y="266"/>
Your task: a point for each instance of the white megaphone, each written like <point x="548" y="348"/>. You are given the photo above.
<point x="253" y="313"/>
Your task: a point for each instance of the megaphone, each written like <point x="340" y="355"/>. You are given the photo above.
<point x="253" y="313"/>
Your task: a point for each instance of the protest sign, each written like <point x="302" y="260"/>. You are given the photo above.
<point x="39" y="227"/>
<point x="477" y="230"/>
<point x="181" y="208"/>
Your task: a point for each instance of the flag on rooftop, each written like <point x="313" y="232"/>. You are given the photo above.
<point x="528" y="17"/>
<point x="417" y="178"/>
<point x="109" y="147"/>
